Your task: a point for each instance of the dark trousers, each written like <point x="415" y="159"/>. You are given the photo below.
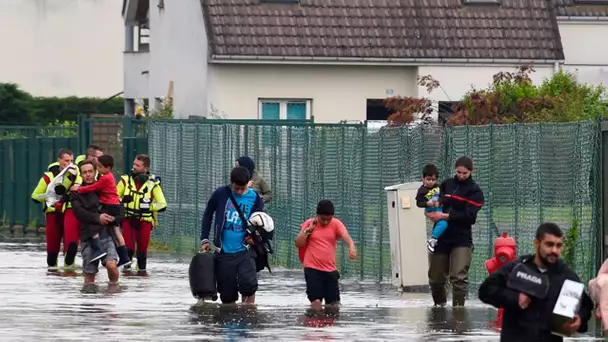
<point x="235" y="273"/>
<point x="454" y="263"/>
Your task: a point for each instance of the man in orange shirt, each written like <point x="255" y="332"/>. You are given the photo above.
<point x="317" y="241"/>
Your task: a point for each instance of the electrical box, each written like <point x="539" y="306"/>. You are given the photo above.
<point x="407" y="230"/>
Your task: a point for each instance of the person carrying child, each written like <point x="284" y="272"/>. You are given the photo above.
<point x="428" y="198"/>
<point x="110" y="204"/>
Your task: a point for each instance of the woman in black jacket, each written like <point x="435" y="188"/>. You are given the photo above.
<point x="461" y="199"/>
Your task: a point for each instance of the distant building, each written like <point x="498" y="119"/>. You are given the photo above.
<point x="297" y="59"/>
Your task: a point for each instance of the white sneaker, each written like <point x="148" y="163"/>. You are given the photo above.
<point x="430" y="245"/>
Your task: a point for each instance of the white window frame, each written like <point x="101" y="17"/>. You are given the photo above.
<point x="283" y="106"/>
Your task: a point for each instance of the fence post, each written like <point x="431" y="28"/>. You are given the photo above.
<point x="128" y="138"/>
<point x="83" y="132"/>
<point x="604" y="186"/>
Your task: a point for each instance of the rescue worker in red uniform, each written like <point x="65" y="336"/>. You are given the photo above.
<point x="54" y="214"/>
<point x="142" y="196"/>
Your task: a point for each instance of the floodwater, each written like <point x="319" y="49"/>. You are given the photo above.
<point x="38" y="305"/>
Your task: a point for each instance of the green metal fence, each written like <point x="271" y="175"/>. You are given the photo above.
<point x="26" y="151"/>
<point x="529" y="174"/>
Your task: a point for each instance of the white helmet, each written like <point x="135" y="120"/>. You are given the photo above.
<point x="262" y="220"/>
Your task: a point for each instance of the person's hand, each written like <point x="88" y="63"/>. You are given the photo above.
<point x="434" y="216"/>
<point x="205" y="246"/>
<point x="436" y="204"/>
<point x="598" y="313"/>
<point x="311" y="226"/>
<point x="523" y="301"/>
<point x="249" y="240"/>
<point x="352" y="253"/>
<point x="105" y="219"/>
<point x="250" y="184"/>
<point x="72" y="171"/>
<point x="429" y="204"/>
<point x="574" y="325"/>
<point x="75" y="187"/>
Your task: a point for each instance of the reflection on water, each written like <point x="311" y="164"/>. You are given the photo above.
<point x="39" y="305"/>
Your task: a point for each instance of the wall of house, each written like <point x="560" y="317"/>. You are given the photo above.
<point x="458" y="80"/>
<point x="178" y="53"/>
<point x="137" y="75"/>
<point x="337" y="92"/>
<point x="62" y="48"/>
<point x="585" y="49"/>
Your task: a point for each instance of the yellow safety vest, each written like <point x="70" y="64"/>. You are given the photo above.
<point x="146" y="202"/>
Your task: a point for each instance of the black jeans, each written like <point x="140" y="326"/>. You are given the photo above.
<point x="235" y="273"/>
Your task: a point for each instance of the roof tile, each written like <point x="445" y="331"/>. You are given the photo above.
<point x="517" y="29"/>
<point x="570" y="8"/>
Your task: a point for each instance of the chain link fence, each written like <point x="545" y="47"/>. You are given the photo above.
<point x="529" y="174"/>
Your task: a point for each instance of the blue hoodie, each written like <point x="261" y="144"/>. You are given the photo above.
<point x="218" y="204"/>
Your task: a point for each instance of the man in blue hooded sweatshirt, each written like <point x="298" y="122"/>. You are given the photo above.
<point x="235" y="268"/>
<point x="258" y="184"/>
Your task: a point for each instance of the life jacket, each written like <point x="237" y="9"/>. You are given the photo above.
<point x="138" y="202"/>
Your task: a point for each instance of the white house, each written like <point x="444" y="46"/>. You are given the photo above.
<point x="583" y="27"/>
<point x="332" y="60"/>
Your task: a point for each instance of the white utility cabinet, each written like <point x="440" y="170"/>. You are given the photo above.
<point x="407" y="231"/>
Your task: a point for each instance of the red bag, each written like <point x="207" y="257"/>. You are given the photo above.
<point x="302" y="250"/>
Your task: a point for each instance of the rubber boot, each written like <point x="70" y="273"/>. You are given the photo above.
<point x="141" y="262"/>
<point x="70" y="256"/>
<point x="439" y="297"/>
<point x="51" y="261"/>
<point x="458" y="298"/>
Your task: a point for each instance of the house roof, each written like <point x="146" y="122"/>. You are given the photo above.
<point x="574" y="8"/>
<point x="383" y="29"/>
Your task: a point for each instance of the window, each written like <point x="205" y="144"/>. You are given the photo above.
<point x="377" y="111"/>
<point x="275" y="109"/>
<point x="284" y="110"/>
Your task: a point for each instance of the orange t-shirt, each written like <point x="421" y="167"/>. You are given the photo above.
<point x="322" y="244"/>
